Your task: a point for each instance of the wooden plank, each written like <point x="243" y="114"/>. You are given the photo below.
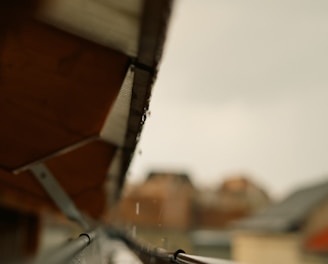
<point x="56" y="90"/>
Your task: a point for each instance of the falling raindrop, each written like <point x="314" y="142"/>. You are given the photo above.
<point x="137" y="208"/>
<point x="160" y="215"/>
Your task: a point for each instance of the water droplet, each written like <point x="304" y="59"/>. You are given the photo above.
<point x="137" y="208"/>
<point x="143" y="118"/>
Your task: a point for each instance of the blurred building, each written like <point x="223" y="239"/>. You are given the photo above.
<point x="294" y="231"/>
<point x="163" y="200"/>
<point x="171" y="200"/>
<point x="236" y="197"/>
<point x="158" y="211"/>
<point x="169" y="211"/>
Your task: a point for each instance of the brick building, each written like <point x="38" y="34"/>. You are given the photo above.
<point x="235" y="198"/>
<point x="164" y="199"/>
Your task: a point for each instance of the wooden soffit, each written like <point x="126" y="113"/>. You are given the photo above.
<point x="75" y="84"/>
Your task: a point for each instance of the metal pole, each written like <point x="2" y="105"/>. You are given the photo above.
<point x="181" y="258"/>
<point x="58" y="194"/>
<point x="68" y="251"/>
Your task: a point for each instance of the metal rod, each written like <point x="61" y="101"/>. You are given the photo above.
<point x="51" y="185"/>
<point x="161" y="256"/>
<point x="182" y="258"/>
<point x="66" y="252"/>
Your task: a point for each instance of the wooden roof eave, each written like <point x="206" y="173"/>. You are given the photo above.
<point x="151" y="43"/>
<point x="64" y="162"/>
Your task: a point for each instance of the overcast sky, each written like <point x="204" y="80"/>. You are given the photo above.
<point x="243" y="87"/>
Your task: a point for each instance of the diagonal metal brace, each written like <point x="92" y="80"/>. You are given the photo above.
<point x="58" y="194"/>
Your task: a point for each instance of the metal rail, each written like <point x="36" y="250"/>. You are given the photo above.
<point x="65" y="253"/>
<point x="180" y="257"/>
<point x="153" y="256"/>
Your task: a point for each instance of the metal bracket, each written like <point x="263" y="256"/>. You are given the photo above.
<point x="58" y="194"/>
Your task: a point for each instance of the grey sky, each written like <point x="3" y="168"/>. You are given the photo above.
<point x="242" y="88"/>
